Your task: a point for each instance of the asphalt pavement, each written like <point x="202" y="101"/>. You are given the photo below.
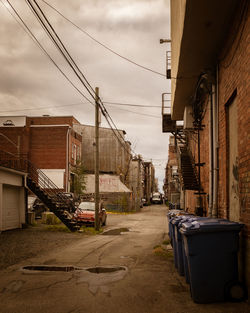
<point x="127" y="269"/>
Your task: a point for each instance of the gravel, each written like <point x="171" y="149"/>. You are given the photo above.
<point x="21" y="244"/>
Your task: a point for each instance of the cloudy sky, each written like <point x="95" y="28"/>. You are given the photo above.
<point x="30" y="84"/>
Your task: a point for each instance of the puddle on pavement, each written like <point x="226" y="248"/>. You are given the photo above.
<point x="115" y="232"/>
<point x="44" y="268"/>
<point x="99" y="270"/>
<point x="106" y="275"/>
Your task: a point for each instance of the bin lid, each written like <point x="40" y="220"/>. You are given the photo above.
<point x="209" y="225"/>
<point x="178" y="220"/>
<point x="174" y="212"/>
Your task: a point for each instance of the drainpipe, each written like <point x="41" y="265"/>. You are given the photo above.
<point x="211" y="160"/>
<point x="67" y="161"/>
<point x="215" y="147"/>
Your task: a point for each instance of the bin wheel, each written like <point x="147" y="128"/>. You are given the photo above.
<point x="236" y="292"/>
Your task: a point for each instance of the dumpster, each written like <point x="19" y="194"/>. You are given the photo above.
<point x="211" y="247"/>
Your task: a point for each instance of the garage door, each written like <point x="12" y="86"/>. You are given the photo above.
<point x="11" y="218"/>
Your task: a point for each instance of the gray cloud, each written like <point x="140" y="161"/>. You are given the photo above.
<point x="28" y="80"/>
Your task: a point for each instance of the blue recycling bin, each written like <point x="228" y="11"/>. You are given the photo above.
<point x="171" y="214"/>
<point x="178" y="245"/>
<point x="180" y="238"/>
<point x="211" y="247"/>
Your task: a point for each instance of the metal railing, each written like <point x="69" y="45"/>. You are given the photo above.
<point x="21" y="163"/>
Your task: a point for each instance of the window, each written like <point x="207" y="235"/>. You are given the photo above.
<point x="72" y="151"/>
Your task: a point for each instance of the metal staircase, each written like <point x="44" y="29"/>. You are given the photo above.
<point x="42" y="187"/>
<point x="189" y="177"/>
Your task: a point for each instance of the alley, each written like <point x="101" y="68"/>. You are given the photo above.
<point x="117" y="271"/>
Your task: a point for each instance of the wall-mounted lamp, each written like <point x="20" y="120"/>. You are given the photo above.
<point x="165" y="40"/>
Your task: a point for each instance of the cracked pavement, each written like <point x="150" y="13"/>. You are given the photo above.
<point x="148" y="283"/>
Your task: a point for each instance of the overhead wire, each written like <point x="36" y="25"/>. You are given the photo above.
<point x="100" y="43"/>
<point x="25" y="27"/>
<point x="60" y="46"/>
<point x="63" y="51"/>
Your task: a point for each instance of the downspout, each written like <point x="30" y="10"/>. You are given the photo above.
<point x="211" y="160"/>
<point x="67" y="161"/>
<point x="215" y="146"/>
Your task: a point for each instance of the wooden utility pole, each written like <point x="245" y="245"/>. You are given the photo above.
<point x="97" y="196"/>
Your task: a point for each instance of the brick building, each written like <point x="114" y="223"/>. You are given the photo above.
<point x="210" y="92"/>
<point x="50" y="143"/>
<point x="172" y="183"/>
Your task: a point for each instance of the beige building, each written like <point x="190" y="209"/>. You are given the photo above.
<point x="114" y="153"/>
<point x="12" y="199"/>
<point x="136" y="183"/>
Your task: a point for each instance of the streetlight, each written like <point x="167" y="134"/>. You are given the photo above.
<point x="165" y="41"/>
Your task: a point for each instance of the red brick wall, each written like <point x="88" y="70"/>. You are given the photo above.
<point x="12" y="133"/>
<point x="48" y="147"/>
<point x="234" y="75"/>
<point x="51" y="120"/>
<point x="190" y="197"/>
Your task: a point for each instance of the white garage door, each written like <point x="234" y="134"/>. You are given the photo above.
<point x="11" y="218"/>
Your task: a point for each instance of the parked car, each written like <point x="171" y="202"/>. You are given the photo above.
<point x="70" y="199"/>
<point x="156" y="198"/>
<point x="85" y="213"/>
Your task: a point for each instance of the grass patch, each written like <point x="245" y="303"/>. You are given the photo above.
<point x="157" y="246"/>
<point x="166" y="242"/>
<point x="121" y="213"/>
<point x="61" y="228"/>
<point x="90" y="230"/>
<point x="160" y="251"/>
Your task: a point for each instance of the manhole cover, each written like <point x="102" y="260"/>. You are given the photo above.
<point x="100" y="269"/>
<point x="51" y="268"/>
<point x="117" y="231"/>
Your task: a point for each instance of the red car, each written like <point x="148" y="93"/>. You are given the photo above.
<point x="85" y="213"/>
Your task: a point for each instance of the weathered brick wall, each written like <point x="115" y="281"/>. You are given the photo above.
<point x="51" y="120"/>
<point x="234" y="77"/>
<point x="48" y="147"/>
<point x="12" y="133"/>
<point x="190" y="197"/>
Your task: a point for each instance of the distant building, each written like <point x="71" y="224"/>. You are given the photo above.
<point x="136" y="182"/>
<point x="149" y="181"/>
<point x="172" y="187"/>
<point x="115" y="151"/>
<point x="50" y="143"/>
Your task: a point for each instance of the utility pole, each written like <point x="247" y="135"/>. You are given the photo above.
<point x="97" y="196"/>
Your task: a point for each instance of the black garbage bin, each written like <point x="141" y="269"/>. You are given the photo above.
<point x="211" y="248"/>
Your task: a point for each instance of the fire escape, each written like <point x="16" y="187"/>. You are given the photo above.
<point x="187" y="167"/>
<point x="42" y="187"/>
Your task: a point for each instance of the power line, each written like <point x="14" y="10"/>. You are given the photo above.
<point x="102" y="107"/>
<point x="139" y="113"/>
<point x="50" y="31"/>
<point x="32" y="36"/>
<point x="70" y="60"/>
<point x="134" y="105"/>
<point x="100" y="43"/>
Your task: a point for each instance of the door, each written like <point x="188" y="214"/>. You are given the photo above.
<point x="233" y="184"/>
<point x="11" y="216"/>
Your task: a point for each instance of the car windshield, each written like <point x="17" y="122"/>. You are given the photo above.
<point x="88" y="206"/>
